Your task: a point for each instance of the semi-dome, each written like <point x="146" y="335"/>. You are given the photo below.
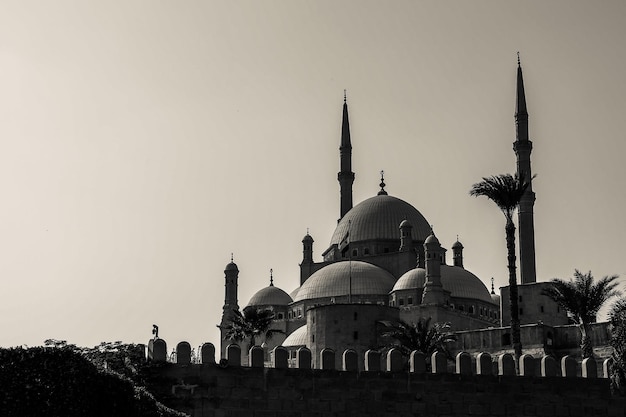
<point x="460" y="282"/>
<point x="297" y="338"/>
<point x="334" y="280"/>
<point x="379" y="218"/>
<point x="270" y="296"/>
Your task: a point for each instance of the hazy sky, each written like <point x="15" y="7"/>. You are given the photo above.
<point x="144" y="141"/>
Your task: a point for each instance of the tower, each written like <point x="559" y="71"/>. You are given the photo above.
<point x="523" y="147"/>
<point x="345" y="175"/>
<point x="306" y="267"/>
<point x="457" y="253"/>
<point x="433" y="289"/>
<point x="231" y="275"/>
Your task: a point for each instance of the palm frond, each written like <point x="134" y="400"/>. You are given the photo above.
<point x="505" y="190"/>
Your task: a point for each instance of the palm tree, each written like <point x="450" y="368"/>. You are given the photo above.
<point x="617" y="318"/>
<point x="582" y="298"/>
<point x="251" y="324"/>
<point x="506" y="191"/>
<point x="420" y="336"/>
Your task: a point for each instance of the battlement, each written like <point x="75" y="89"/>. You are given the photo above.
<point x="392" y="361"/>
<point x="467" y="386"/>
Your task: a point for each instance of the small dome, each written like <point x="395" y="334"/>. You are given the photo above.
<point x="460" y="282"/>
<point x="270" y="296"/>
<point x="378" y="218"/>
<point x="334" y="280"/>
<point x="307" y="238"/>
<point x="231" y="267"/>
<point x="456" y="245"/>
<point x="299" y="337"/>
<point x="405" y="223"/>
<point x="432" y="239"/>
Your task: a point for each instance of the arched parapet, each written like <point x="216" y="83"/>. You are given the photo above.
<point x="439" y="362"/>
<point x="233" y="355"/>
<point x="280" y="357"/>
<point x="157" y="350"/>
<point x="350" y="360"/>
<point x="417" y="362"/>
<point x="207" y="353"/>
<point x="327" y="359"/>
<point x="589" y="368"/>
<point x="463" y="363"/>
<point x="483" y="364"/>
<point x="256" y="356"/>
<point x="506" y="364"/>
<point x="527" y="365"/>
<point x="183" y="353"/>
<point x="303" y="358"/>
<point x="394" y="360"/>
<point x="568" y="366"/>
<point x="372" y="360"/>
<point x="548" y="366"/>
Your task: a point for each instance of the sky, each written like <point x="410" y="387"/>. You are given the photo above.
<point x="143" y="142"/>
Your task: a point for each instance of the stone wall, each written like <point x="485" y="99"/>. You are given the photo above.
<point x="465" y="388"/>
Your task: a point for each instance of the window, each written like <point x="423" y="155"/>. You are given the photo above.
<point x="541" y="308"/>
<point x="355" y="335"/>
<point x="520" y="298"/>
<point x="506" y="339"/>
<point x="280" y="316"/>
<point x="355" y="252"/>
<point x="366" y="251"/>
<point x="471" y="310"/>
<point x="521" y="311"/>
<point x="355" y="316"/>
<point x="401" y="301"/>
<point x="461" y="308"/>
<point x="410" y="301"/>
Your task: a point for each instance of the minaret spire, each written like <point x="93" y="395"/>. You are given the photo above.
<point x="345" y="176"/>
<point x="523" y="147"/>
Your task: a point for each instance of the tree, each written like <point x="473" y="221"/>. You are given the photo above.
<point x="582" y="298"/>
<point x="506" y="191"/>
<point x="617" y="318"/>
<point x="420" y="336"/>
<point x="251" y="324"/>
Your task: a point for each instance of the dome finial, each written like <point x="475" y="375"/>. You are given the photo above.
<point x="519" y="63"/>
<point x="307" y="230"/>
<point x="271" y="277"/>
<point x="492" y="291"/>
<point x="344" y="95"/>
<point x="231" y="257"/>
<point x="382" y="184"/>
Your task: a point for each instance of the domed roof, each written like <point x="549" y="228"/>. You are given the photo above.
<point x="231" y="267"/>
<point x="293" y="293"/>
<point x="432" y="239"/>
<point x="460" y="282"/>
<point x="334" y="280"/>
<point x="379" y="218"/>
<point x="457" y="244"/>
<point x="270" y="296"/>
<point x="299" y="337"/>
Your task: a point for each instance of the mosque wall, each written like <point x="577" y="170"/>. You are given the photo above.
<point x="534" y="307"/>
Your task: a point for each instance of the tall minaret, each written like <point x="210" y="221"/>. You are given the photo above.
<point x="345" y="176"/>
<point x="231" y="276"/>
<point x="523" y="148"/>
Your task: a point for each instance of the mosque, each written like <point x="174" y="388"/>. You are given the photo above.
<point x="385" y="263"/>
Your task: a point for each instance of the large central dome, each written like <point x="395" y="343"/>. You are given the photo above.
<point x="379" y="217"/>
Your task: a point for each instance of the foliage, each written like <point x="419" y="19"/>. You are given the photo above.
<point x="617" y="318"/>
<point x="60" y="381"/>
<point x="251" y="324"/>
<point x="582" y="298"/>
<point x="420" y="336"/>
<point x="506" y="192"/>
